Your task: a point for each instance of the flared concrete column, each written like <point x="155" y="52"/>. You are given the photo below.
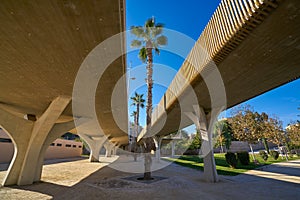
<point x="157" y="142"/>
<point x="29" y="137"/>
<point x="173" y="143"/>
<point x="95" y="143"/>
<point x="40" y="131"/>
<point x="57" y="131"/>
<point x="19" y="130"/>
<point x="114" y="150"/>
<point x="108" y="147"/>
<point x="203" y="125"/>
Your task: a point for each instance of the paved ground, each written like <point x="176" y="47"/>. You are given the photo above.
<point x="82" y="180"/>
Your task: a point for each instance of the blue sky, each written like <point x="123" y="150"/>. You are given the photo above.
<point x="190" y="17"/>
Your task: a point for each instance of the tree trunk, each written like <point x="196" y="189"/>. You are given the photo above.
<point x="137" y="119"/>
<point x="222" y="150"/>
<point x="264" y="140"/>
<point x="254" y="159"/>
<point x="148" y="146"/>
<point x="148" y="159"/>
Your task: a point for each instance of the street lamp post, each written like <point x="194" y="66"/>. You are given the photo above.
<point x="128" y="88"/>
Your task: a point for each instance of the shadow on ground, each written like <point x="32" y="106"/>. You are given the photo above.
<point x="178" y="183"/>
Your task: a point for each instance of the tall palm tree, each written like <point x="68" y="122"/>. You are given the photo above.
<point x="149" y="38"/>
<point x="138" y="101"/>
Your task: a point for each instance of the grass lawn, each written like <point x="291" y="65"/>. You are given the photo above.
<point x="222" y="167"/>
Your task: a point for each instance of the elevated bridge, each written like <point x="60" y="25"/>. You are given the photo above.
<point x="247" y="48"/>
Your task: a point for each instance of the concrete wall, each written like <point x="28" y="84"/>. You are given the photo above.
<point x="6" y="147"/>
<point x="64" y="149"/>
<point x="60" y="149"/>
<point x="237" y="146"/>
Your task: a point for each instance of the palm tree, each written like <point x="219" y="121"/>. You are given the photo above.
<point x="138" y="101"/>
<point x="149" y="38"/>
<point x="223" y="133"/>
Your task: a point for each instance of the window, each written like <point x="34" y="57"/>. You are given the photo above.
<point x="6" y="140"/>
<point x="52" y="144"/>
<point x="79" y="146"/>
<point x="68" y="145"/>
<point x="58" y="144"/>
<point x="74" y="146"/>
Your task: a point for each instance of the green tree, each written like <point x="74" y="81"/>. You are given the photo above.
<point x="196" y="141"/>
<point x="149" y="38"/>
<point x="293" y="133"/>
<point x="223" y="134"/>
<point x="275" y="131"/>
<point x="248" y="125"/>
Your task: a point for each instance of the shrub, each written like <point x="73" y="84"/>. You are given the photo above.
<point x="274" y="154"/>
<point x="231" y="159"/>
<point x="191" y="152"/>
<point x="291" y="155"/>
<point x="264" y="155"/>
<point x="243" y="157"/>
<point x="262" y="152"/>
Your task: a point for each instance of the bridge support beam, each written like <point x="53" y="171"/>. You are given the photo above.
<point x="114" y="150"/>
<point x="57" y="131"/>
<point x="108" y="147"/>
<point x="202" y="122"/>
<point x="173" y="144"/>
<point x="95" y="144"/>
<point x="29" y="137"/>
<point x="157" y="142"/>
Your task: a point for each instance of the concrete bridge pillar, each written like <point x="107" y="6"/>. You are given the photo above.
<point x="57" y="131"/>
<point x="108" y="147"/>
<point x="29" y="138"/>
<point x="114" y="150"/>
<point x="173" y="143"/>
<point x="95" y="144"/>
<point x="157" y="142"/>
<point x="204" y="125"/>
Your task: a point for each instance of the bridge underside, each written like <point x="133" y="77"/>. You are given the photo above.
<point x="43" y="46"/>
<point x="268" y="57"/>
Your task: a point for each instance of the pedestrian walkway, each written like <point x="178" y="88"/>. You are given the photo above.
<point x="285" y="171"/>
<point x="83" y="180"/>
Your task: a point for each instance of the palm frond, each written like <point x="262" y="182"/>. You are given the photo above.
<point x="150" y="22"/>
<point x="159" y="25"/>
<point x="143" y="54"/>
<point x="136" y="43"/>
<point x="156" y="32"/>
<point x="138" y="31"/>
<point x="133" y="114"/>
<point x="156" y="50"/>
<point x="157" y="29"/>
<point x="162" y="40"/>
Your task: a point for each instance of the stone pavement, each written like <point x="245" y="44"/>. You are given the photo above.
<point x="83" y="180"/>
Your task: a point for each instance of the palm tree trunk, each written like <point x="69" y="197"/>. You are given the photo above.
<point x="149" y="83"/>
<point x="148" y="159"/>
<point x="135" y="136"/>
<point x="137" y="120"/>
<point x="136" y="132"/>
